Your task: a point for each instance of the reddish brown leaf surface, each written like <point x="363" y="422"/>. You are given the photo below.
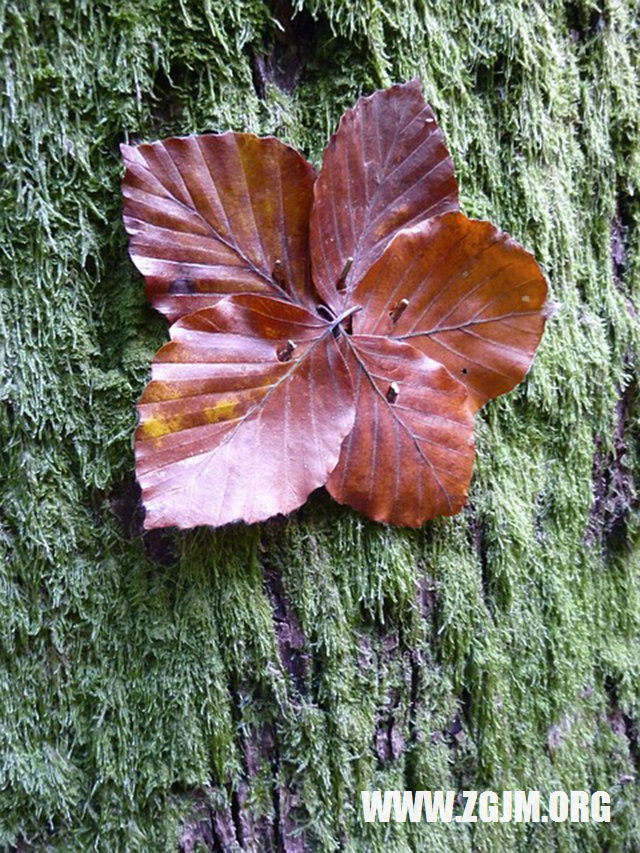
<point x="385" y="169"/>
<point x="464" y="293"/>
<point x="228" y="430"/>
<point x="365" y="380"/>
<point x="410" y="454"/>
<point x="218" y="214"/>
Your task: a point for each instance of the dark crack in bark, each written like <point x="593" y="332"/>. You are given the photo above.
<point x="391" y="723"/>
<point x="235" y="827"/>
<point x="626" y="727"/>
<point x="125" y="503"/>
<point x="198" y="831"/>
<point x="615" y="493"/>
<point x="293" y="43"/>
<point x="292" y="644"/>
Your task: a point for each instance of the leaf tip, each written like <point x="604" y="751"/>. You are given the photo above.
<point x="126" y="150"/>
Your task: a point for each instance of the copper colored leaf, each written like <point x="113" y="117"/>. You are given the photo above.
<point x="245" y="415"/>
<point x="410" y="453"/>
<point x="463" y="292"/>
<point x="366" y="379"/>
<point x="386" y="168"/>
<point x="218" y="214"/>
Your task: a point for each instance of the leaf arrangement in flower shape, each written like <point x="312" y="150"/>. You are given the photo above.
<point x="339" y="330"/>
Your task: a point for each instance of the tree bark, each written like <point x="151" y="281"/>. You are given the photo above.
<point x="237" y="689"/>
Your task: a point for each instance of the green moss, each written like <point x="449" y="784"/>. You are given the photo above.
<point x="137" y="676"/>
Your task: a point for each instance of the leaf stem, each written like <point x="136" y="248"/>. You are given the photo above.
<point x="353" y="310"/>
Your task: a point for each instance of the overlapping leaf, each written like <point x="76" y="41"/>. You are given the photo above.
<point x="464" y="293"/>
<point x="213" y="215"/>
<point x="365" y="378"/>
<point x="410" y="454"/>
<point x="386" y="168"/>
<point x="233" y="424"/>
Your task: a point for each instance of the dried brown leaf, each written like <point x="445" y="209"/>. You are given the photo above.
<point x="244" y="416"/>
<point x="213" y="215"/>
<point x="410" y="454"/>
<point x="365" y="379"/>
<point x="463" y="292"/>
<point x="385" y="169"/>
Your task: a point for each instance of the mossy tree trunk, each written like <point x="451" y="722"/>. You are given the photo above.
<point x="236" y="689"/>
